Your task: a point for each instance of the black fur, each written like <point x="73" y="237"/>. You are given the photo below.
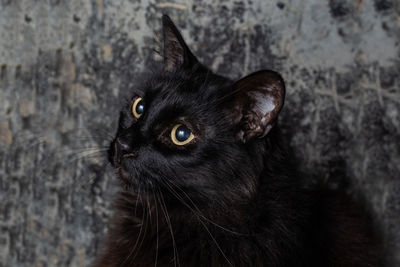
<point x="231" y="197"/>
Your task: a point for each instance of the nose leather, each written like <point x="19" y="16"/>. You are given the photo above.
<point x="124" y="145"/>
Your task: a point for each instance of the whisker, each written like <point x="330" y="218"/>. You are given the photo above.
<point x="92" y="178"/>
<point x="168" y="221"/>
<point x="155" y="202"/>
<point x="88" y="137"/>
<point x="149" y="209"/>
<point x="144" y="234"/>
<point x="216" y="243"/>
<point x="27" y="135"/>
<point x="199" y="213"/>
<point x="214" y="240"/>
<point x="24" y="137"/>
<point x="137" y="200"/>
<point x="29" y="147"/>
<point x="80" y="149"/>
<point x="88" y="155"/>
<point x="137" y="239"/>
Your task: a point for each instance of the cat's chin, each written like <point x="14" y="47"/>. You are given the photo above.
<point x="133" y="183"/>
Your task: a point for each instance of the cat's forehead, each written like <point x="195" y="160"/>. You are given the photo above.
<point x="195" y="90"/>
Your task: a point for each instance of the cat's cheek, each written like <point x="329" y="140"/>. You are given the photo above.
<point x="128" y="164"/>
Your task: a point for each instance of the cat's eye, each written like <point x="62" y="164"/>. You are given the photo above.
<point x="181" y="135"/>
<point x="138" y="108"/>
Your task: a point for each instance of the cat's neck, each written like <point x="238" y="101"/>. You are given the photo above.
<point x="159" y="226"/>
<point x="164" y="209"/>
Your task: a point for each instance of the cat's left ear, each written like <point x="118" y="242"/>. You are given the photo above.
<point x="176" y="53"/>
<point x="257" y="100"/>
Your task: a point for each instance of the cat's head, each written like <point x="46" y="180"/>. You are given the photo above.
<point x="189" y="129"/>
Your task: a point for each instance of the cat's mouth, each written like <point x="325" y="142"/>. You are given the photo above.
<point x="130" y="178"/>
<point x="124" y="175"/>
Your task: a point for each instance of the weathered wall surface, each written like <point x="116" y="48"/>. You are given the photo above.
<point x="64" y="66"/>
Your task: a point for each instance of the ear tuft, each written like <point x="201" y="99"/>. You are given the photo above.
<point x="176" y="53"/>
<point x="257" y="101"/>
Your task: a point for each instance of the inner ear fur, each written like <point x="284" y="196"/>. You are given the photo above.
<point x="257" y="100"/>
<point x="176" y="53"/>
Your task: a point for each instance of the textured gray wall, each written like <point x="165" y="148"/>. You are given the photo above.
<point x="64" y="66"/>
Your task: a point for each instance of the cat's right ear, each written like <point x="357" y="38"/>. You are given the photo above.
<point x="257" y="101"/>
<point x="176" y="53"/>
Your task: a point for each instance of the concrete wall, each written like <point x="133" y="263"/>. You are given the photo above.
<point x="65" y="65"/>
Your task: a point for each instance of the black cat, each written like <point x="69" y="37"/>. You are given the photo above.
<point x="206" y="181"/>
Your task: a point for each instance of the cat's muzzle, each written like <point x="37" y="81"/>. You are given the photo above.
<point x="119" y="149"/>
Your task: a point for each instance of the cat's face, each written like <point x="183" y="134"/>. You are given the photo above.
<point x="189" y="130"/>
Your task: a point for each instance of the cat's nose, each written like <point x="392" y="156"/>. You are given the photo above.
<point x="123" y="145"/>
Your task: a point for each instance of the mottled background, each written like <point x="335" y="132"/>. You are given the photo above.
<point x="65" y="65"/>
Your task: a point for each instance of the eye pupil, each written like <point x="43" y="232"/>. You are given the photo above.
<point x="139" y="107"/>
<point x="182" y="133"/>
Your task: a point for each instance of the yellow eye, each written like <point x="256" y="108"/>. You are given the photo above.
<point x="181" y="135"/>
<point x="138" y="108"/>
